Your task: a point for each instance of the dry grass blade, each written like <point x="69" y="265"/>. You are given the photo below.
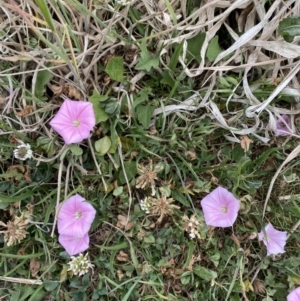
<point x="22" y="280"/>
<point x="289" y="158"/>
<point x="282" y="48"/>
<point x="279" y="88"/>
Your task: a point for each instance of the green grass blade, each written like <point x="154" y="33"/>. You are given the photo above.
<point x="46" y="13"/>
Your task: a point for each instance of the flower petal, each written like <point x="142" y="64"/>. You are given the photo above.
<point x="294" y="295"/>
<point x="74" y="244"/>
<point x="283" y="125"/>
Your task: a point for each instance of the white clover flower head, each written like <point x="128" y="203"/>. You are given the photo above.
<point x="80" y="265"/>
<point x="23" y="152"/>
<point x="145" y="205"/>
<point x="190" y="225"/>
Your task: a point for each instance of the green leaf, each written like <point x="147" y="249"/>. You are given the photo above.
<point x="253" y="183"/>
<point x="237" y="153"/>
<point x="86" y="280"/>
<point x="289" y="28"/>
<point x="166" y="191"/>
<point x="117" y="191"/>
<point x="213" y="49"/>
<point x="112" y="108"/>
<point x="194" y="46"/>
<point x="6" y="200"/>
<point x="204" y="273"/>
<point x="95" y="99"/>
<point x="76" y="150"/>
<point x="14" y="296"/>
<point x="129" y="292"/>
<point x="142" y="96"/>
<point x="215" y="258"/>
<point x="150" y="239"/>
<point x="38" y="294"/>
<point x="178" y="196"/>
<point x="115" y="139"/>
<point x="50" y="285"/>
<point x="22" y="294"/>
<point x="100" y="114"/>
<point x="116" y="247"/>
<point x="224" y="83"/>
<point x="131" y="171"/>
<point x="115" y="68"/>
<point x="147" y="61"/>
<point x="168" y="79"/>
<point x="185" y="278"/>
<point x="46" y="13"/>
<point x="46" y="144"/>
<point x="27" y="256"/>
<point x="78" y="295"/>
<point x="103" y="145"/>
<point x="175" y="56"/>
<point x="232" y="80"/>
<point x="171" y="11"/>
<point x="136" y="15"/>
<point x="127" y="143"/>
<point x="43" y="77"/>
<point x="144" y="114"/>
<point x="263" y="157"/>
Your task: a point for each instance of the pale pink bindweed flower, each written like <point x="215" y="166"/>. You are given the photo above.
<point x="294" y="295"/>
<point x="75" y="216"/>
<point x="74" y="120"/>
<point x="273" y="239"/>
<point x="283" y="126"/>
<point x="220" y="208"/>
<point x="74" y="244"/>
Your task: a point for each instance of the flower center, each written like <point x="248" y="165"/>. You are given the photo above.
<point x="224" y="209"/>
<point x="76" y="123"/>
<point x="78" y="214"/>
<point x="22" y="151"/>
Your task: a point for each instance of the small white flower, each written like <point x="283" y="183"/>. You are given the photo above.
<point x="23" y="152"/>
<point x="145" y="205"/>
<point x="190" y="225"/>
<point x="124" y="2"/>
<point x="192" y="235"/>
<point x="80" y="265"/>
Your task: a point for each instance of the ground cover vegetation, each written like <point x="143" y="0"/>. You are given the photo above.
<point x="149" y="150"/>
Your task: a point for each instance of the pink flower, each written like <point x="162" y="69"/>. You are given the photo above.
<point x="273" y="239"/>
<point x="74" y="244"/>
<point x="75" y="216"/>
<point x="283" y="126"/>
<point x="294" y="295"/>
<point x="74" y="120"/>
<point x="220" y="208"/>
